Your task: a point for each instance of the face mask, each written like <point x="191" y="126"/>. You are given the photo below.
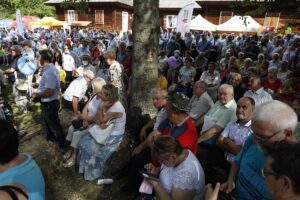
<point x="85" y="63"/>
<point x="67" y="51"/>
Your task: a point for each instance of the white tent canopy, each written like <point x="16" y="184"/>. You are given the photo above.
<point x="237" y="24"/>
<point x="199" y="23"/>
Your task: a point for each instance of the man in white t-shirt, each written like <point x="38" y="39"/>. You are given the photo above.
<point x="76" y="92"/>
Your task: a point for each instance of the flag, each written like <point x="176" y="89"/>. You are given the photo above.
<point x="184" y="18"/>
<point x="20" y="26"/>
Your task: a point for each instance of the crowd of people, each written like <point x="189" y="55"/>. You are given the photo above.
<point x="225" y="112"/>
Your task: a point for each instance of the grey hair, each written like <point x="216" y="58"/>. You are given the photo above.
<point x="278" y="114"/>
<point x="202" y="84"/>
<point x="235" y="74"/>
<point x="248" y="60"/>
<point x="261" y="55"/>
<point x="97" y="84"/>
<point x="89" y="73"/>
<point x="159" y="91"/>
<point x="226" y="87"/>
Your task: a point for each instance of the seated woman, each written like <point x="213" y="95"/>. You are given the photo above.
<point x="92" y="156"/>
<point x="78" y="128"/>
<point x="272" y="84"/>
<point x="181" y="176"/>
<point x="19" y="173"/>
<point x="186" y="78"/>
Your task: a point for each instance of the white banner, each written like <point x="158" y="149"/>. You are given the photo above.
<point x="184" y="18"/>
<point x="20" y="27"/>
<point x="124" y="21"/>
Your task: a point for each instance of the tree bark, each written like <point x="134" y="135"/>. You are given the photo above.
<point x="145" y="54"/>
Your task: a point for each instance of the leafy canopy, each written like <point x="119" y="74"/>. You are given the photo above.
<point x="27" y="7"/>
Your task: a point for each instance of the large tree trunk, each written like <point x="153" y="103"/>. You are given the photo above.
<point x="145" y="57"/>
<point x="145" y="53"/>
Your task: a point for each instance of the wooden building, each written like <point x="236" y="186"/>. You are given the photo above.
<point x="118" y="14"/>
<point x="103" y="14"/>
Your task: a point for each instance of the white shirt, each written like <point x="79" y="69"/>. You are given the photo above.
<point x="238" y="133"/>
<point x="93" y="106"/>
<point x="77" y="88"/>
<point x="282" y="75"/>
<point x="200" y="105"/>
<point x="119" y="123"/>
<point x="112" y="45"/>
<point x="260" y="96"/>
<point x="68" y="62"/>
<point x="187" y="175"/>
<point x="81" y="69"/>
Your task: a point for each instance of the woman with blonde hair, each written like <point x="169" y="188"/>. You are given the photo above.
<point x="79" y="127"/>
<point x="92" y="155"/>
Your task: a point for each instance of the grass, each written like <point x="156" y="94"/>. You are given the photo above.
<point x="61" y="183"/>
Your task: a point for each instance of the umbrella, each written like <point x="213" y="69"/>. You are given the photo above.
<point x="26" y="21"/>
<point x="26" y="65"/>
<point x="47" y="21"/>
<point x="4" y="23"/>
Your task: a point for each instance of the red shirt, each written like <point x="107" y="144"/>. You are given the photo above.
<point x="273" y="86"/>
<point x="95" y="52"/>
<point x="186" y="133"/>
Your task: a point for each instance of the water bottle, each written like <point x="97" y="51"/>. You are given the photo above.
<point x="105" y="181"/>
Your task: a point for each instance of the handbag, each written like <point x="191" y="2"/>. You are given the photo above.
<point x="77" y="123"/>
<point x="99" y="134"/>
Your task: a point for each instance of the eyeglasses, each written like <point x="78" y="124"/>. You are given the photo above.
<point x="265" y="173"/>
<point x="266" y="138"/>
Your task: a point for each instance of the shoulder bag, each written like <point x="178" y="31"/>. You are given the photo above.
<point x="99" y="134"/>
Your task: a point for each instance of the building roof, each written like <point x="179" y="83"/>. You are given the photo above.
<point x="126" y="2"/>
<point x="162" y="3"/>
<point x="176" y="3"/>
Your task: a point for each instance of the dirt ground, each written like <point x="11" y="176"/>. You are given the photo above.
<point x="64" y="183"/>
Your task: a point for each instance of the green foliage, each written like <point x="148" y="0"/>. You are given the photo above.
<point x="27" y="7"/>
<point x="260" y="7"/>
<point x="79" y="5"/>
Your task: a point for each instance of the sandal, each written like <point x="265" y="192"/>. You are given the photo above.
<point x="67" y="155"/>
<point x="69" y="163"/>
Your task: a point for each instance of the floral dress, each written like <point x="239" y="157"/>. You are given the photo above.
<point x="93" y="156"/>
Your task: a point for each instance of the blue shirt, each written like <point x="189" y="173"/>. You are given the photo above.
<point x="50" y="80"/>
<point x="27" y="174"/>
<point x="250" y="185"/>
<point x="84" y="51"/>
<point x="204" y="45"/>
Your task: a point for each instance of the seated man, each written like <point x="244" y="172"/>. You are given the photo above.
<point x="236" y="132"/>
<point x="159" y="102"/>
<point x="178" y="124"/>
<point x="272" y="121"/>
<point x="200" y="102"/>
<point x="236" y="82"/>
<point x="74" y="94"/>
<point x="257" y="92"/>
<point x="281" y="171"/>
<point x="213" y="124"/>
<point x="218" y="116"/>
<point x="212" y="79"/>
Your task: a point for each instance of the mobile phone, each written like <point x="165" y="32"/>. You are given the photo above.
<point x="149" y="176"/>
